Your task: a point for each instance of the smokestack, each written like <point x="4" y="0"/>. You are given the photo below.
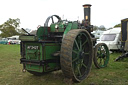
<point x="87" y="12"/>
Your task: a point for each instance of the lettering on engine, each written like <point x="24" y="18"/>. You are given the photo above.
<point x="33" y="47"/>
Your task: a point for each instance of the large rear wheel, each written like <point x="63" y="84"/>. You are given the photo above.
<point x="76" y="54"/>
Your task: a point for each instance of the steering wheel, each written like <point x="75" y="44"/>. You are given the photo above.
<point x="51" y="17"/>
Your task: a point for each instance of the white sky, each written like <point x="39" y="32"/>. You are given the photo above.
<point x="34" y="12"/>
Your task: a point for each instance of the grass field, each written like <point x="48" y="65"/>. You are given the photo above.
<point x="11" y="71"/>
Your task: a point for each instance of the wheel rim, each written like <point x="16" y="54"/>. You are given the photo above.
<point x="102" y="56"/>
<point x="79" y="55"/>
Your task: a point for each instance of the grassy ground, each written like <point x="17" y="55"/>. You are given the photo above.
<point x="11" y="72"/>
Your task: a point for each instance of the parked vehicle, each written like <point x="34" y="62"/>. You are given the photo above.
<point x="112" y="38"/>
<point x="4" y="41"/>
<point x="13" y="40"/>
<point x="10" y="40"/>
<point x="97" y="33"/>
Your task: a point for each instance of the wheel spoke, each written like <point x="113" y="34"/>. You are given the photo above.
<point x="77" y="45"/>
<point x="74" y="51"/>
<point x="100" y="61"/>
<point x="86" y="53"/>
<point x="79" y="70"/>
<point x="84" y="65"/>
<point x="75" y="59"/>
<point x="84" y="42"/>
<point x="104" y="60"/>
<point x="80" y="45"/>
<point x="100" y="49"/>
<point x="75" y="68"/>
<point x="98" y="53"/>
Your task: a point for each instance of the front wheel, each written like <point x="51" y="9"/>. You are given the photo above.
<point x="101" y="56"/>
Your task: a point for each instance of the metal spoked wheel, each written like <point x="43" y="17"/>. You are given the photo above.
<point x="101" y="56"/>
<point x="76" y="54"/>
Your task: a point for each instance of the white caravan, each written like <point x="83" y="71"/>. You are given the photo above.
<point x="112" y="38"/>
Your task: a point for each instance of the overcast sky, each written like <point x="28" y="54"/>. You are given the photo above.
<point x="34" y="12"/>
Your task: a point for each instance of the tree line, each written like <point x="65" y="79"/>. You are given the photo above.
<point x="102" y="27"/>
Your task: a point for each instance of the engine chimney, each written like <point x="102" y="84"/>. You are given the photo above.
<point x="87" y="12"/>
<point x="87" y="18"/>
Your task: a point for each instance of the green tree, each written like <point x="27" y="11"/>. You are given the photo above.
<point x="10" y="28"/>
<point x="95" y="28"/>
<point x="109" y="28"/>
<point x="102" y="27"/>
<point x="118" y="25"/>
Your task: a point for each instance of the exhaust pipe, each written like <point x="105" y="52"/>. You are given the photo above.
<point x="87" y="18"/>
<point x="87" y="12"/>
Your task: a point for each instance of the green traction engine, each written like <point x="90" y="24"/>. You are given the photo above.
<point x="65" y="45"/>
